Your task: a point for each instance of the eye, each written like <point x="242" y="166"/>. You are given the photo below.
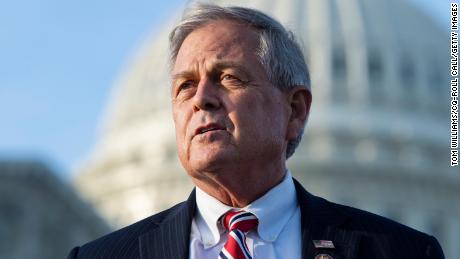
<point x="185" y="85"/>
<point x="229" y="77"/>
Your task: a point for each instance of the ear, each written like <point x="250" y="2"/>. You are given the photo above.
<point x="299" y="100"/>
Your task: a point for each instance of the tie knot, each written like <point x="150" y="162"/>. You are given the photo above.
<point x="241" y="220"/>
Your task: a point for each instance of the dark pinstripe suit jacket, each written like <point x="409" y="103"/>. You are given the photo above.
<point x="355" y="234"/>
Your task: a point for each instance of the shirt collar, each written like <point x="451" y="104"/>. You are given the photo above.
<point x="209" y="211"/>
<point x="273" y="209"/>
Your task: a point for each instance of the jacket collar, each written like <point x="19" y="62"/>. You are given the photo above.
<point x="170" y="237"/>
<point x="321" y="220"/>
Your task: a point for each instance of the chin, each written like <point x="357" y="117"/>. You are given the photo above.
<point x="208" y="162"/>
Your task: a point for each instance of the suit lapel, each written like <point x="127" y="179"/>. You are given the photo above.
<point x="171" y="237"/>
<point x="321" y="221"/>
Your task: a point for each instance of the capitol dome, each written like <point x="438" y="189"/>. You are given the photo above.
<point x="377" y="137"/>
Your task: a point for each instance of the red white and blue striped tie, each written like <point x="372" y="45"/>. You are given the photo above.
<point x="237" y="223"/>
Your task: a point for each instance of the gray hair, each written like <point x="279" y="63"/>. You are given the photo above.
<point x="278" y="51"/>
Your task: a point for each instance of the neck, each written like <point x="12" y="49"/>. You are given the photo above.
<point x="238" y="187"/>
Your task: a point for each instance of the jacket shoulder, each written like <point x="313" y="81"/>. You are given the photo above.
<point x="123" y="243"/>
<point x="389" y="235"/>
<point x="367" y="222"/>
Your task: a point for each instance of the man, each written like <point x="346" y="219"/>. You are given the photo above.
<point x="241" y="97"/>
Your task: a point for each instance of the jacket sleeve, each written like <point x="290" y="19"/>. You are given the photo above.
<point x="73" y="253"/>
<point x="434" y="250"/>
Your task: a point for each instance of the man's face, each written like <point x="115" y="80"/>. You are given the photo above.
<point x="226" y="112"/>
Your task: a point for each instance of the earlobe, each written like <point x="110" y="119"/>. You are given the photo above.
<point x="300" y="99"/>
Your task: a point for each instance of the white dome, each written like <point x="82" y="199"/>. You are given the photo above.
<point x="355" y="49"/>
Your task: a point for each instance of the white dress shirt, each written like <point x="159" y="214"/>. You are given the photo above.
<point x="277" y="235"/>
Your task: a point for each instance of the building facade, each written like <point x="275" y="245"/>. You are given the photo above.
<point x="41" y="216"/>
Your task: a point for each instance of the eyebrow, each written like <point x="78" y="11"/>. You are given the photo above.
<point x="230" y="64"/>
<point x="183" y="74"/>
<point x="218" y="66"/>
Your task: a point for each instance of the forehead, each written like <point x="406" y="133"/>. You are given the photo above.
<point x="220" y="40"/>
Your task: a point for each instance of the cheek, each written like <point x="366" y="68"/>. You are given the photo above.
<point x="180" y="123"/>
<point x="180" y="120"/>
<point x="252" y="118"/>
<point x="181" y="143"/>
<point x="272" y="118"/>
<point x="242" y="113"/>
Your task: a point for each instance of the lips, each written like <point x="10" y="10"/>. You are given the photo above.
<point x="208" y="127"/>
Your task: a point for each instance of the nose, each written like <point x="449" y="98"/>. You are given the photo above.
<point x="206" y="96"/>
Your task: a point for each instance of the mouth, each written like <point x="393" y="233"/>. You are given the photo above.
<point x="207" y="128"/>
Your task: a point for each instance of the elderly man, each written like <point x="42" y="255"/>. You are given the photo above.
<point x="241" y="97"/>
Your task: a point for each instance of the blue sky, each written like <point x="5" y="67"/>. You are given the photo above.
<point x="58" y="62"/>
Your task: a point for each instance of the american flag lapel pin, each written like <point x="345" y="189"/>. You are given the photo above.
<point x="328" y="244"/>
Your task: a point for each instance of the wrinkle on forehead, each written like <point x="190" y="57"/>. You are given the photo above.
<point x="236" y="42"/>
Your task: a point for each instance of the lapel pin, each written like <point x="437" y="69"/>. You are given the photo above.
<point x="323" y="256"/>
<point x="323" y="244"/>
